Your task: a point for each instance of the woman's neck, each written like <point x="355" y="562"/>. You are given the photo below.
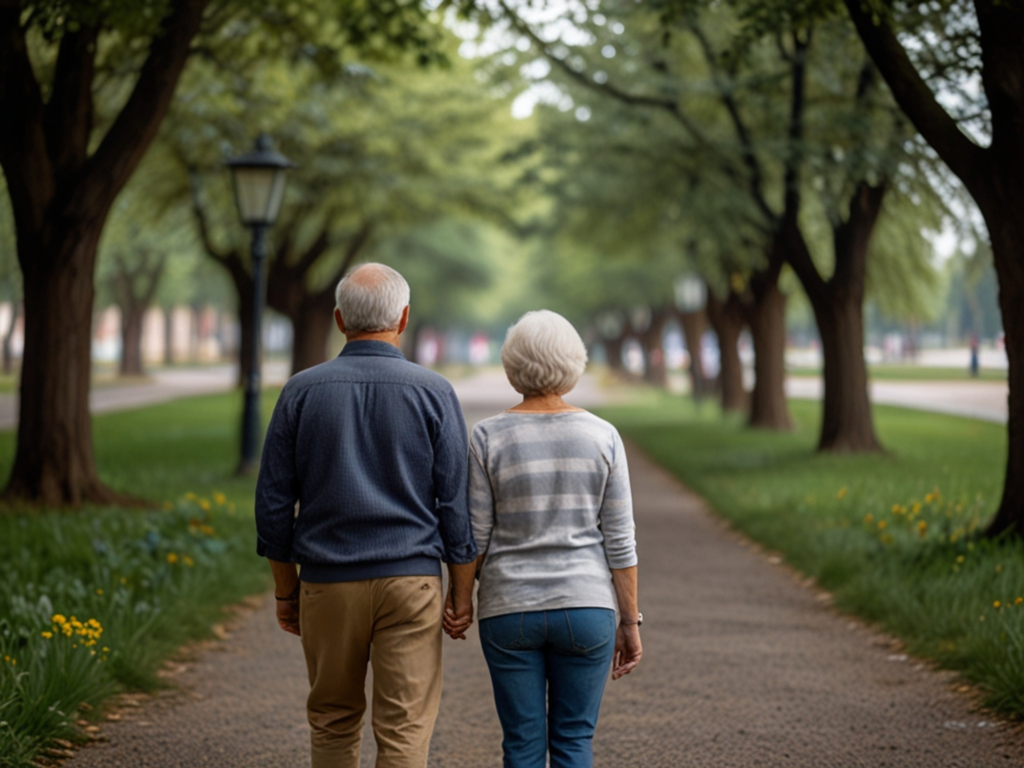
<point x="543" y="404"/>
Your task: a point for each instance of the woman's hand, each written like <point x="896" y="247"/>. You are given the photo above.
<point x="457" y="618"/>
<point x="628" y="650"/>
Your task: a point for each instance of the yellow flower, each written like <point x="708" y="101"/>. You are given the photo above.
<point x="917" y="507"/>
<point x="99" y="591"/>
<point x="124" y="581"/>
<point x="895" y="509"/>
<point x="959" y="558"/>
<point x="842" y="492"/>
<point x="219" y="497"/>
<point x="999" y="569"/>
<point x="996" y="604"/>
<point x="869" y="518"/>
<point x="929" y="498"/>
<point x="188" y="561"/>
<point x="47" y="635"/>
<point x="106" y="650"/>
<point x="204" y="505"/>
<point x="172" y="558"/>
<point x="58" y="618"/>
<point x="95" y="624"/>
<point x="191" y="496"/>
<point x="207" y="529"/>
<point x="881" y="525"/>
<point x="1018" y="601"/>
<point x="922" y="527"/>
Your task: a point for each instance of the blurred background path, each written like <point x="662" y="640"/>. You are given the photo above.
<point x="975" y="399"/>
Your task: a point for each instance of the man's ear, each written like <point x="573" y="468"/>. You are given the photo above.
<point x="403" y="323"/>
<point x="339" y="321"/>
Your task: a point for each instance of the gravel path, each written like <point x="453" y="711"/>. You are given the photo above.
<point x="743" y="666"/>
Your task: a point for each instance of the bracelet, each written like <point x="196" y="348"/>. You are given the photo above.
<point x="291" y="598"/>
<point x="639" y="621"/>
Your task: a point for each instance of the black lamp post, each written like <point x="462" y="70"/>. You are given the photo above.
<point x="259" y="186"/>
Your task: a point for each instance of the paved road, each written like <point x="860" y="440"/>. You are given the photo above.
<point x="986" y="400"/>
<point x="165" y="384"/>
<point x="743" y="666"/>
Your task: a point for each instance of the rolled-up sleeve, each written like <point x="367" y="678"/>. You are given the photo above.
<point x="450" y="450"/>
<point x="616" y="513"/>
<point x="277" y="487"/>
<point x="481" y="495"/>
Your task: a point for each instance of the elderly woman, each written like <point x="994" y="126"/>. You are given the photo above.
<point x="552" y="514"/>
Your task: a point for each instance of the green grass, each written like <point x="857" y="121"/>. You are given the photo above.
<point x="895" y="537"/>
<point x="909" y="372"/>
<point x="151" y="579"/>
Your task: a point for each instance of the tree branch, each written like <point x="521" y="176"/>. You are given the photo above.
<point x="23" y="154"/>
<point x="795" y="152"/>
<point x="748" y="152"/>
<point x="136" y="125"/>
<point x="965" y="158"/>
<point x="68" y="115"/>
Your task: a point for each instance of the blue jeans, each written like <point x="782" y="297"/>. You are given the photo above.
<point x="560" y="659"/>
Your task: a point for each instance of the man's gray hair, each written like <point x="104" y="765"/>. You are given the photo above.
<point x="371" y="298"/>
<point x="543" y="354"/>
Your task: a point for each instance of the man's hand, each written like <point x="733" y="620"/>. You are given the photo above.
<point x="457" y="618"/>
<point x="628" y="650"/>
<point x="288" y="615"/>
<point x="458" y="605"/>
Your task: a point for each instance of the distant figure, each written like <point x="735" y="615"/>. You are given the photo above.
<point x="553" y="518"/>
<point x="975" y="363"/>
<point x="374" y="447"/>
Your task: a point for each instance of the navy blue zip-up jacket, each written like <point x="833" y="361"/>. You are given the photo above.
<point x="374" y="449"/>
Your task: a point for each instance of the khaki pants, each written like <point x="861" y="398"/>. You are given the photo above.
<point x="395" y="625"/>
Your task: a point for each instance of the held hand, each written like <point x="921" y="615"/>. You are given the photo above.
<point x="457" y="618"/>
<point x="628" y="650"/>
<point x="288" y="615"/>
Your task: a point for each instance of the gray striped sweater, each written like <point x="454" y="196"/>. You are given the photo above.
<point x="550" y="506"/>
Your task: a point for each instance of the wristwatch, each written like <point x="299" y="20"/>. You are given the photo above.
<point x="639" y="620"/>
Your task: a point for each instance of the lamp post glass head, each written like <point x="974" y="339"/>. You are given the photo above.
<point x="259" y="182"/>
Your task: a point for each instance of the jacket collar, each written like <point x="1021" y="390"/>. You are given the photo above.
<point x="368" y="347"/>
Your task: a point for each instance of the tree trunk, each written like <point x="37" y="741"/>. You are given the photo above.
<point x="654" y="352"/>
<point x="727" y="321"/>
<point x="847" y="425"/>
<point x="694" y="324"/>
<point x="613" y="351"/>
<point x="1007" y="233"/>
<point x="311" y="331"/>
<point x="8" y="353"/>
<point x="54" y="464"/>
<point x="131" y="340"/>
<point x="767" y="319"/>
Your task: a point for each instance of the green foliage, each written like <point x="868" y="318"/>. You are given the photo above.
<point x="894" y="538"/>
<point x="150" y="579"/>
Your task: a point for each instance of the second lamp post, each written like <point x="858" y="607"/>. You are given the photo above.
<point x="259" y="187"/>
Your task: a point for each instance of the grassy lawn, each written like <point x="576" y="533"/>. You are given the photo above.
<point x="896" y="372"/>
<point x="92" y="602"/>
<point x="894" y="537"/>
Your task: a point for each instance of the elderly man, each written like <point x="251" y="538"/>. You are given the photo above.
<point x="363" y="484"/>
